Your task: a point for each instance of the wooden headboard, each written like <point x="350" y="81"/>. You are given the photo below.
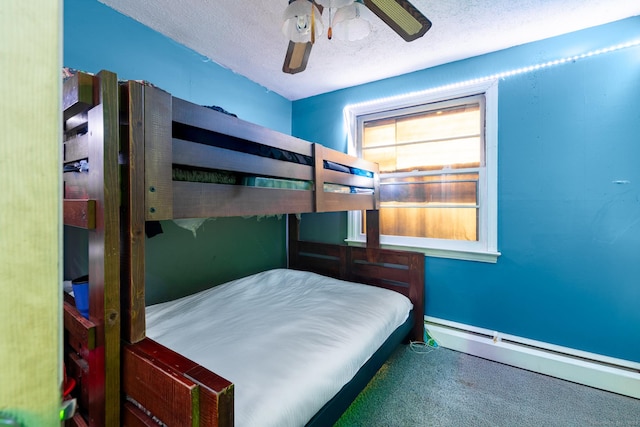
<point x="400" y="271"/>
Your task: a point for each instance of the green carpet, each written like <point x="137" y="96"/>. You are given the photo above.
<point x="448" y="388"/>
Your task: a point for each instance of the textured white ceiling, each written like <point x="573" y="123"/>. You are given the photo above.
<point x="245" y="36"/>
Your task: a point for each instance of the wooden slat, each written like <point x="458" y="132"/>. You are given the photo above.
<point x="335" y="177"/>
<point x="206" y="118"/>
<point x="82" y="329"/>
<point x="77" y="421"/>
<point x="336" y="202"/>
<point x="132" y="416"/>
<point x="196" y="200"/>
<point x="350" y="161"/>
<point x="390" y="278"/>
<point x="80" y="213"/>
<point x="160" y="388"/>
<point x="158" y="154"/>
<point x="323" y="258"/>
<point x="216" y="398"/>
<point x="214" y="393"/>
<point x="326" y="267"/>
<point x="206" y="156"/>
<point x="324" y="249"/>
<point x="133" y="267"/>
<point x="76" y="124"/>
<point x="76" y="148"/>
<point x="77" y="368"/>
<point x="181" y="364"/>
<point x="78" y="94"/>
<point x="76" y="185"/>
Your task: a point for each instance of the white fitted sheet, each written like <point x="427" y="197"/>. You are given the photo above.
<point x="288" y="340"/>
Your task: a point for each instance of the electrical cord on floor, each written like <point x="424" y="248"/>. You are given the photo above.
<point x="424" y="347"/>
<point x="421" y="347"/>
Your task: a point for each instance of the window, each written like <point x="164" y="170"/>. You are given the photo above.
<point x="438" y="171"/>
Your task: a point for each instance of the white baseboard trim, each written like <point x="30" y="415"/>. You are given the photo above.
<point x="594" y="370"/>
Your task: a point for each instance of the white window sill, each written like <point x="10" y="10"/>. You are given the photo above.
<point x="465" y="255"/>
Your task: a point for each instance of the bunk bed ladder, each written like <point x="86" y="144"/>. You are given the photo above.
<point x="92" y="201"/>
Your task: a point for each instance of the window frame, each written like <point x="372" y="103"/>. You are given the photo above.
<point x="486" y="248"/>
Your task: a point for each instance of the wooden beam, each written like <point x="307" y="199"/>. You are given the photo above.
<point x="133" y="227"/>
<point x="82" y="330"/>
<point x="78" y="94"/>
<point x="373" y="229"/>
<point x="158" y="154"/>
<point x="80" y="213"/>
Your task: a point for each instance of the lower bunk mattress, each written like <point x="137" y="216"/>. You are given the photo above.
<point x="288" y="340"/>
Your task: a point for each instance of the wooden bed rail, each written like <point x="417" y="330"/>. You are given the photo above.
<point x="326" y="201"/>
<point x="197" y="138"/>
<point x="177" y="391"/>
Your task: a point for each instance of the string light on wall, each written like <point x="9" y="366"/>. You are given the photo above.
<point x="516" y="71"/>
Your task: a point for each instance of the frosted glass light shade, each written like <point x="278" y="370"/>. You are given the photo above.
<point x="297" y="21"/>
<point x="334" y="4"/>
<point x="349" y="24"/>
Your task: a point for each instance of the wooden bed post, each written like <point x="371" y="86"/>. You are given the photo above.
<point x="293" y="224"/>
<point x="104" y="254"/>
<point x="133" y="227"/>
<point x="158" y="154"/>
<point x="318" y="178"/>
<point x="373" y="229"/>
<point x="373" y="235"/>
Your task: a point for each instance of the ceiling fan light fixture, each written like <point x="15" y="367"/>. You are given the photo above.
<point x="334" y="4"/>
<point x="301" y="18"/>
<point x="350" y="24"/>
<point x="401" y="16"/>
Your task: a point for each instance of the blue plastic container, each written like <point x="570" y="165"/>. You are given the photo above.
<point x="81" y="294"/>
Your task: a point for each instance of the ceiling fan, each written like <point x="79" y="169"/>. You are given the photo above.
<point x="302" y="24"/>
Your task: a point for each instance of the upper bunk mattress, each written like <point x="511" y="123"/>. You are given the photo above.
<point x="288" y="340"/>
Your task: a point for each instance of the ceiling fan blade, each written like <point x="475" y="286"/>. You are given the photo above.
<point x="297" y="57"/>
<point x="401" y="16"/>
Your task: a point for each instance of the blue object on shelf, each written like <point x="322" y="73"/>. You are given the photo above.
<point x="81" y="294"/>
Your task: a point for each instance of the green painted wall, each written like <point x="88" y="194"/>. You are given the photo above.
<point x="223" y="249"/>
<point x="30" y="301"/>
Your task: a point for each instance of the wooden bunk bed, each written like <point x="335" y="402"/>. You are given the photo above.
<point x="165" y="144"/>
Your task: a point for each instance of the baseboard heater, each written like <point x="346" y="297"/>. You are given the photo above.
<point x="594" y="370"/>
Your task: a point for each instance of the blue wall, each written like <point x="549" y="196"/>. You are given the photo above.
<point x="95" y="38"/>
<point x="569" y="273"/>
